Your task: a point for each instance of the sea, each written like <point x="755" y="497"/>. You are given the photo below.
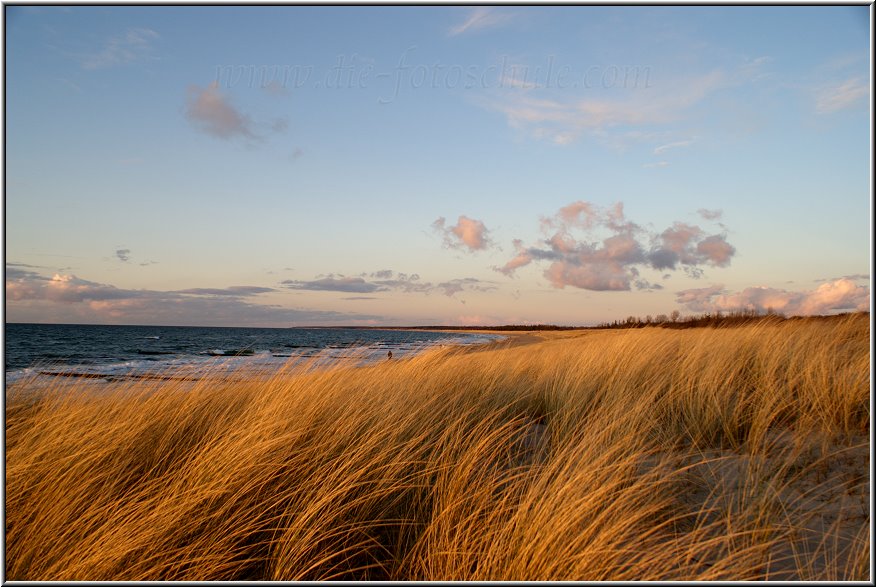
<point x="117" y="352"/>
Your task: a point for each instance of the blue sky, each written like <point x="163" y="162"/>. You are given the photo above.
<point x="419" y="165"/>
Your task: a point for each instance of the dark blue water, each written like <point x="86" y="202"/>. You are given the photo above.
<point x="118" y="351"/>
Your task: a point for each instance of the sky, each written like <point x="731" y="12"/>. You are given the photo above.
<point x="416" y="165"/>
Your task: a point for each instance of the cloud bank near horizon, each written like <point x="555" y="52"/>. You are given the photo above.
<point x="834" y="296"/>
<point x="35" y="297"/>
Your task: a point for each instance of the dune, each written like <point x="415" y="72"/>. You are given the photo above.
<point x="647" y="454"/>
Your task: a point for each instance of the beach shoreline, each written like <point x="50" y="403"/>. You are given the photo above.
<point x="119" y="352"/>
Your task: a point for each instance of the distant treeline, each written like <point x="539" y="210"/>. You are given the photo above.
<point x="505" y="327"/>
<point x="710" y="319"/>
<point x="672" y="320"/>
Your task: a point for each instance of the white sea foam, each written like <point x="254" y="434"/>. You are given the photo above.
<point x="260" y="360"/>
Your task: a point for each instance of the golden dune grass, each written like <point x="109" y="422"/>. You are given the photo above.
<point x="653" y="454"/>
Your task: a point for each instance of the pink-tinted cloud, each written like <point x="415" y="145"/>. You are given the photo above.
<point x="687" y="245"/>
<point x="467" y="232"/>
<point x="61" y="288"/>
<point x="211" y="112"/>
<point x="599" y="249"/>
<point x="522" y="259"/>
<point x="597" y="276"/>
<point x="698" y="299"/>
<point x="853" y="277"/>
<point x="835" y="296"/>
<point x="209" y="311"/>
<point x="715" y="250"/>
<point x="579" y="213"/>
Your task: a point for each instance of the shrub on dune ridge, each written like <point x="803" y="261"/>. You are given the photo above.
<point x="596" y="455"/>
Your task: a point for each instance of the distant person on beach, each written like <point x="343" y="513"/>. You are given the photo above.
<point x="389" y="355"/>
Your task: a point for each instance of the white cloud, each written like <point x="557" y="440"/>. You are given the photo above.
<point x="570" y="119"/>
<point x="673" y="145"/>
<point x="638" y="104"/>
<point x="842" y="96"/>
<point x="480" y="18"/>
<point x="516" y="76"/>
<point x="119" y="50"/>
